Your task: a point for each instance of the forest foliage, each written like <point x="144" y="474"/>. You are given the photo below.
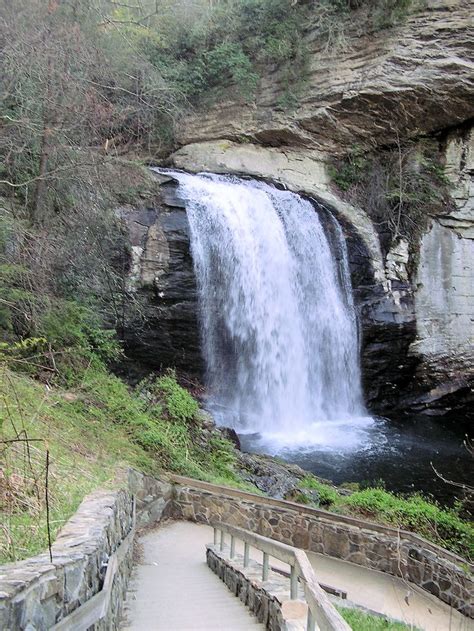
<point x="84" y="80"/>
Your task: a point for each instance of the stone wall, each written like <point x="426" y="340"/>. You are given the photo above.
<point x="376" y="547"/>
<point x="270" y="601"/>
<point x="36" y="593"/>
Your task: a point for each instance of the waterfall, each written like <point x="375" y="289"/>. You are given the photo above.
<point x="279" y="331"/>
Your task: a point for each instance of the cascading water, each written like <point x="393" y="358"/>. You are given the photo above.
<point x="278" y="323"/>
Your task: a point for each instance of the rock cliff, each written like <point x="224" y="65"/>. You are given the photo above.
<point x="407" y="82"/>
<point x="165" y="333"/>
<point x="410" y="80"/>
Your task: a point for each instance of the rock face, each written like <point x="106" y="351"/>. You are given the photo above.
<point x="444" y="296"/>
<point x="410" y="80"/>
<point x="161" y="278"/>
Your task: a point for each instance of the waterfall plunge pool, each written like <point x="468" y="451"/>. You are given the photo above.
<point x="399" y="451"/>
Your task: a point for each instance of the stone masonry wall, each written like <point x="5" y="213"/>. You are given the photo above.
<point x="376" y="547"/>
<point x="35" y="594"/>
<point x="270" y="601"/>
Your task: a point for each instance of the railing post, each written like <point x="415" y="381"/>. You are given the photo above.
<point x="293" y="583"/>
<point x="232" y="546"/>
<point x="246" y="554"/>
<point x="265" y="567"/>
<point x="222" y="540"/>
<point x="216" y="536"/>
<point x="311" y="623"/>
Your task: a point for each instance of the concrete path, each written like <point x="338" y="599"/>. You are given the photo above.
<point x="379" y="592"/>
<point x="391" y="596"/>
<point x="172" y="589"/>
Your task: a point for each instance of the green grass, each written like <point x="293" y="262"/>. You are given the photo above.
<point x="91" y="430"/>
<point x="360" y="621"/>
<point x="415" y="513"/>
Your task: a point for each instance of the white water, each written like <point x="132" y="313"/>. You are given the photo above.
<point x="278" y="324"/>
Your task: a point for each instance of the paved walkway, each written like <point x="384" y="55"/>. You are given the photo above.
<point x="172" y="588"/>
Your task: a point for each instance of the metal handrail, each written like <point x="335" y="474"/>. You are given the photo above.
<point x="320" y="609"/>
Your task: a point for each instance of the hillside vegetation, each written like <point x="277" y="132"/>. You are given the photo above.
<point x="58" y="443"/>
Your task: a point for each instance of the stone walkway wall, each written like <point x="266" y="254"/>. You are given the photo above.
<point x="36" y="593"/>
<point x="269" y="601"/>
<point x="376" y="547"/>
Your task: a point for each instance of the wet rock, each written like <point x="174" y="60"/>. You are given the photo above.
<point x="164" y="330"/>
<point x="231" y="435"/>
<point x="277" y="479"/>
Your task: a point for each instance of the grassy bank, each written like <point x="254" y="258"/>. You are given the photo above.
<point x="76" y="438"/>
<point x="77" y="434"/>
<point x="442" y="526"/>
<point x="360" y="621"/>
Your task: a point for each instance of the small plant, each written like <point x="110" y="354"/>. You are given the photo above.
<point x="179" y="405"/>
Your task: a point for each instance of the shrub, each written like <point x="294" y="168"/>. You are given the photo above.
<point x="328" y="495"/>
<point x="415" y="513"/>
<point x="400" y="187"/>
<point x="179" y="404"/>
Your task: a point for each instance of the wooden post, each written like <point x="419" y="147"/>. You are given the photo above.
<point x="265" y="567"/>
<point x="222" y="540"/>
<point x="246" y="554"/>
<point x="232" y="547"/>
<point x="215" y="536"/>
<point x="293" y="583"/>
